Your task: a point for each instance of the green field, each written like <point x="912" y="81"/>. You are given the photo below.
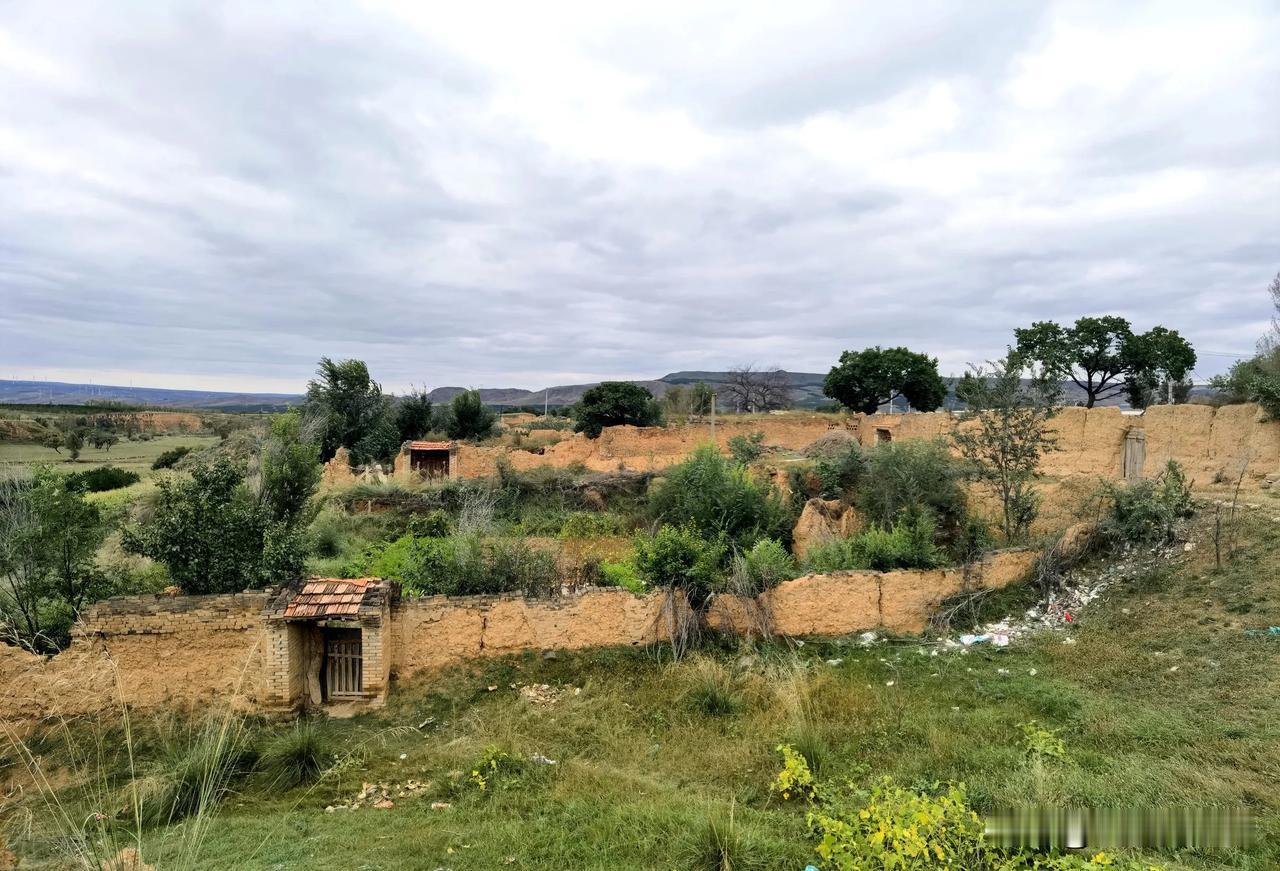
<point x="134" y="456"/>
<point x="1163" y="699"/>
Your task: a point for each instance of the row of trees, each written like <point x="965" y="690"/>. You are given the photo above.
<point x="352" y="411"/>
<point x="1102" y="356"/>
<point x="1257" y="379"/>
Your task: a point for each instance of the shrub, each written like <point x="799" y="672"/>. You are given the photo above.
<point x="590" y="524"/>
<point x="102" y="479"/>
<point x="1148" y="511"/>
<point x="679" y="558"/>
<point x="908" y="544"/>
<point x="1042" y="743"/>
<point x="720" y="498"/>
<point x="496" y="769"/>
<point x="795" y="782"/>
<point x="913" y="476"/>
<point x="762" y="568"/>
<point x="746" y="449"/>
<point x="895" y="827"/>
<point x="435" y="524"/>
<point x="840" y="470"/>
<point x="170" y="458"/>
<point x="621" y="574"/>
<point x="467" y="565"/>
<point x="297" y="757"/>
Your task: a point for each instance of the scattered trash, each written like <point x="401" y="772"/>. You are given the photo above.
<point x="440" y="805"/>
<point x="491" y="689"/>
<point x="866" y="639"/>
<point x="888" y="683"/>
<point x="1269" y="632"/>
<point x="380" y="795"/>
<point x="1032" y="672"/>
<point x="1002" y="671"/>
<point x="835" y="662"/>
<point x="539" y="759"/>
<point x="545" y="694"/>
<point x="404" y="755"/>
<point x="999" y="640"/>
<point x="1173" y="668"/>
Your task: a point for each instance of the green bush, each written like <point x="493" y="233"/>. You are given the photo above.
<point x="894" y="827"/>
<point x="296" y="757"/>
<point x="761" y="568"/>
<point x="435" y="524"/>
<point x="1147" y="511"/>
<point x="102" y="479"/>
<point x="590" y="524"/>
<point x="746" y="449"/>
<point x="913" y="476"/>
<point x="839" y="470"/>
<point x="908" y="544"/>
<point x="170" y="458"/>
<point x="720" y="498"/>
<point x="468" y="565"/>
<point x="621" y="574"/>
<point x="680" y="558"/>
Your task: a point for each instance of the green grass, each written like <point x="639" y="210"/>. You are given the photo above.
<point x="646" y="777"/>
<point x="134" y="456"/>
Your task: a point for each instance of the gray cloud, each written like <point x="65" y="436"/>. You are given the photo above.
<point x="500" y="196"/>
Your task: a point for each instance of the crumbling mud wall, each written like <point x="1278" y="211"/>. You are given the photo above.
<point x="1211" y="443"/>
<point x="845" y="602"/>
<point x="143" y="651"/>
<point x="431" y="632"/>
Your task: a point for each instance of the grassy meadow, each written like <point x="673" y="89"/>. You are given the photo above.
<point x="1163" y="698"/>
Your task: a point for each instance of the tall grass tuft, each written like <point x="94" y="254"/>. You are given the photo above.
<point x="298" y="757"/>
<point x="192" y="776"/>
<point x="721" y="845"/>
<point x="711" y="690"/>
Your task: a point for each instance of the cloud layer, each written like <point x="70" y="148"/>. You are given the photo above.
<point x="215" y="195"/>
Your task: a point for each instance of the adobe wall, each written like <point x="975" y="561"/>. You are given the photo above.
<point x="1209" y="442"/>
<point x="845" y="602"/>
<point x="147" y="651"/>
<point x="191" y="651"/>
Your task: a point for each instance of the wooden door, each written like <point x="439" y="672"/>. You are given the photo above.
<point x="344" y="663"/>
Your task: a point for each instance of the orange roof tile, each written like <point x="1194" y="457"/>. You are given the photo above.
<point x="430" y="446"/>
<point x="329" y="597"/>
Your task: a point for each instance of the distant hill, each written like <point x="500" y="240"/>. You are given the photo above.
<point x="806" y="392"/>
<point x="59" y="393"/>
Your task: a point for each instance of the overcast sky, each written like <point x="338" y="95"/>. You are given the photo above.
<point x="216" y="194"/>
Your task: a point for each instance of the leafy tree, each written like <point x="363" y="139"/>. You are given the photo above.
<point x="1258" y="378"/>
<point x="720" y="499"/>
<point x="103" y="439"/>
<point x="73" y="441"/>
<point x="169" y="458"/>
<point x="469" y="417"/>
<point x="1102" y="355"/>
<point x="700" y="398"/>
<point x="213" y="536"/>
<point x="1004" y="434"/>
<point x="53" y="441"/>
<point x="353" y="410"/>
<point x="865" y="380"/>
<point x="290" y="469"/>
<point x="49" y="535"/>
<point x="912" y="477"/>
<point x="414" y="416"/>
<point x="613" y="403"/>
<point x="678" y="557"/>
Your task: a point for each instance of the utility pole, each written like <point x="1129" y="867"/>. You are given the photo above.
<point x="713" y="418"/>
<point x="546" y="401"/>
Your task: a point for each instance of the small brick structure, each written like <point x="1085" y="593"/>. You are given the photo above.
<point x="327" y="641"/>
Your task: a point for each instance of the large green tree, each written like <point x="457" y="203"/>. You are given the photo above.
<point x="414" y="415"/>
<point x="49" y="535"/>
<point x="1103" y="356"/>
<point x="865" y="380"/>
<point x="214" y="536"/>
<point x="1258" y="378"/>
<point x="614" y="403"/>
<point x="469" y="417"/>
<point x="353" y="411"/>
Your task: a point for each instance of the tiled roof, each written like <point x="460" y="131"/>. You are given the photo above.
<point x="330" y="597"/>
<point x="431" y="446"/>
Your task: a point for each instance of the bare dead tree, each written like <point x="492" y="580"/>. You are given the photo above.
<point x="750" y="388"/>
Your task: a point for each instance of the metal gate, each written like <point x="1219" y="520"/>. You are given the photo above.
<point x="344" y="659"/>
<point x="1135" y="454"/>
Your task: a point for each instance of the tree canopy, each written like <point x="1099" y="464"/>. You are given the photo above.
<point x="414" y="417"/>
<point x="865" y="380"/>
<point x="613" y="403"/>
<point x="354" y="412"/>
<point x="469" y="417"/>
<point x="1103" y="356"/>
